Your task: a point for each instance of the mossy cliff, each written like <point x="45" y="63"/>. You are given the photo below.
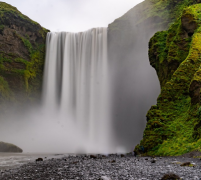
<point x="22" y="51"/>
<point x="174" y="124"/>
<point x="135" y="85"/>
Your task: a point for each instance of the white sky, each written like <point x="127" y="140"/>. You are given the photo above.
<point x="73" y="15"/>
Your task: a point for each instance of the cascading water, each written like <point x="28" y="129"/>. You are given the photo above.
<point x="76" y="84"/>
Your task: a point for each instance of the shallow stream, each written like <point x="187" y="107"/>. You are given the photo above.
<point x="12" y="160"/>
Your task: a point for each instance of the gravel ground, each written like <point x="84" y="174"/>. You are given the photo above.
<point x="116" y="167"/>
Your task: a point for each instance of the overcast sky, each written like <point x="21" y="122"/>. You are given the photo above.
<point x="73" y="15"/>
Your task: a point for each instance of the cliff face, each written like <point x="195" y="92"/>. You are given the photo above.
<point x="22" y="51"/>
<point x="134" y="81"/>
<point x="173" y="125"/>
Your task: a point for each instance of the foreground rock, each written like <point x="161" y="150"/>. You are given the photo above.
<point x="85" y="168"/>
<point x="105" y="178"/>
<point x="170" y="177"/>
<point x="6" y="147"/>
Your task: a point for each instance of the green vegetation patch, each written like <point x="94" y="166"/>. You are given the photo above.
<point x="7" y="8"/>
<point x="174" y="124"/>
<point x="22" y="67"/>
<point x="5" y="92"/>
<point x="167" y="10"/>
<point x="33" y="71"/>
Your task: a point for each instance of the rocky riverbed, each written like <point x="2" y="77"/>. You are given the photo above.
<point x="112" y="167"/>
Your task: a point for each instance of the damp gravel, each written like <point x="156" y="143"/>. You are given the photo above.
<point x="114" y="167"/>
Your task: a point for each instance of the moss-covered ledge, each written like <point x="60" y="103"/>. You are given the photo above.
<point x="174" y="124"/>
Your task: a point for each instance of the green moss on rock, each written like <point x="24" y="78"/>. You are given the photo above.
<point x="139" y="24"/>
<point x="174" y="124"/>
<point x="22" y="54"/>
<point x="5" y="91"/>
<point x="7" y="8"/>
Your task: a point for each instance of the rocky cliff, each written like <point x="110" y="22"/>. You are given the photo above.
<point x="134" y="81"/>
<point x="173" y="125"/>
<point x="22" y="51"/>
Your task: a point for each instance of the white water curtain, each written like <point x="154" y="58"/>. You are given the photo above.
<point x="76" y="81"/>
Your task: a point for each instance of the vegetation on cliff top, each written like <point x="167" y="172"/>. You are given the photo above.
<point x="7" y="8"/>
<point x="174" y="124"/>
<point x="157" y="13"/>
<point x="166" y="10"/>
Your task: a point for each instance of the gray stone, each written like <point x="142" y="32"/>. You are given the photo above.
<point x="105" y="178"/>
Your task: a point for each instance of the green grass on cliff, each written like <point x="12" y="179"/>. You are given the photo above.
<point x="33" y="68"/>
<point x="30" y="70"/>
<point x="174" y="124"/>
<point x="7" y="8"/>
<point x="167" y="10"/>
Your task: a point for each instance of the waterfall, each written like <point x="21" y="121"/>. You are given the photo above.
<point x="76" y="83"/>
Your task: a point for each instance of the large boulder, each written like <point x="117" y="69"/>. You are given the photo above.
<point x="9" y="148"/>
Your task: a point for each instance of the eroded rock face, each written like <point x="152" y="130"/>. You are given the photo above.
<point x="194" y="91"/>
<point x="173" y="126"/>
<point x="6" y="147"/>
<point x="189" y="23"/>
<point x="22" y="53"/>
